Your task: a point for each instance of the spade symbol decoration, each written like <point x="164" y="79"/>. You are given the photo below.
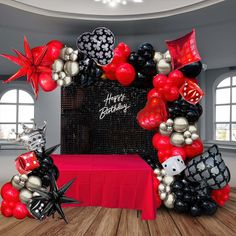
<point x="97" y="45"/>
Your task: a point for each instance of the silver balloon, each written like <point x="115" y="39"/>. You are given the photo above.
<point x="71" y="68"/>
<point x="187" y="134"/>
<point x="34" y="182"/>
<point x="163" y="196"/>
<point x="67" y="80"/>
<point x="180" y="124"/>
<point x="168" y="180"/>
<point x="17" y="183"/>
<point x="55" y="76"/>
<point x="73" y="56"/>
<point x="62" y="75"/>
<point x="194" y="136"/>
<point x="57" y="66"/>
<point x="157" y="56"/>
<point x="188" y="141"/>
<point x="68" y="51"/>
<point x="60" y="82"/>
<point x="169" y="201"/>
<point x="163" y="67"/>
<point x="177" y="139"/>
<point x="25" y="195"/>
<point x="161" y="187"/>
<point x="169" y="122"/>
<point x="167" y="56"/>
<point x="192" y="129"/>
<point x="63" y="53"/>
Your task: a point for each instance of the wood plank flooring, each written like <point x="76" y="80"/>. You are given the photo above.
<point x="97" y="221"/>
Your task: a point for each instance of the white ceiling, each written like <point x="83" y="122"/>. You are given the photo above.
<point x="90" y="9"/>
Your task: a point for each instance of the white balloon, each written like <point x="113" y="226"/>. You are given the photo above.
<point x="168" y="189"/>
<point x="157" y="171"/>
<point x="25" y="195"/>
<point x="159" y="178"/>
<point x="163" y="172"/>
<point x="63" y="53"/>
<point x="167" y="56"/>
<point x="71" y="68"/>
<point x="57" y="66"/>
<point x="163" y="126"/>
<point x="187" y="134"/>
<point x="157" y="56"/>
<point x="192" y="129"/>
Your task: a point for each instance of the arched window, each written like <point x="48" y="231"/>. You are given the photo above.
<point x="225" y="108"/>
<point x="16" y="107"/>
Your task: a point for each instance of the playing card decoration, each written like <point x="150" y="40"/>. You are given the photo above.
<point x="97" y="45"/>
<point x="208" y="170"/>
<point x="191" y="92"/>
<point x="183" y="50"/>
<point x="33" y="138"/>
<point x="26" y="162"/>
<point x="34" y="63"/>
<point x="49" y="202"/>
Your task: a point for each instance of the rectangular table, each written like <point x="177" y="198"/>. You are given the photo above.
<point x="114" y="181"/>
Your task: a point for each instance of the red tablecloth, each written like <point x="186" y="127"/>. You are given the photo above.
<point x="115" y="181"/>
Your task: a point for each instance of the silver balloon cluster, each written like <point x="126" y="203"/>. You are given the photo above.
<point x="26" y="185"/>
<point x="163" y="61"/>
<point x="66" y="66"/>
<point x="33" y="138"/>
<point x="166" y="128"/>
<point x="182" y="133"/>
<point x="164" y="188"/>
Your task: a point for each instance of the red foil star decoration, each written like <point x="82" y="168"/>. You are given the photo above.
<point x="32" y="65"/>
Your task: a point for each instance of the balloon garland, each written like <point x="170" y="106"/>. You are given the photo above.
<point x="186" y="178"/>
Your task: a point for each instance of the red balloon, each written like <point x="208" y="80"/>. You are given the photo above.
<point x="161" y="142"/>
<point x="5" y="187"/>
<point x="6" y="211"/>
<point x="153" y="93"/>
<point x="20" y="211"/>
<point x="159" y="81"/>
<point x="46" y="82"/>
<point x="163" y="155"/>
<point x="172" y="94"/>
<point x="221" y="196"/>
<point x="37" y="51"/>
<point x="177" y="78"/>
<point x="178" y="151"/>
<point x="10" y="194"/>
<point x="125" y="74"/>
<point x="195" y="149"/>
<point x="118" y="57"/>
<point x="152" y="114"/>
<point x="8" y="204"/>
<point x="54" y="49"/>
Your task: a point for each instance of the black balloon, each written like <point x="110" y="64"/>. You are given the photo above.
<point x="181" y="206"/>
<point x="195" y="210"/>
<point x="209" y="207"/>
<point x="144" y="65"/>
<point x="192" y="70"/>
<point x="181" y="108"/>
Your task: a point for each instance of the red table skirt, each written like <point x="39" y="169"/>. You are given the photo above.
<point x="115" y="181"/>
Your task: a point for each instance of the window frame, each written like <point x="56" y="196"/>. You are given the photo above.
<point x="214" y="88"/>
<point x="5" y="144"/>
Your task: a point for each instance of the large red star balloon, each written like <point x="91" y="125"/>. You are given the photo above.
<point x="34" y="62"/>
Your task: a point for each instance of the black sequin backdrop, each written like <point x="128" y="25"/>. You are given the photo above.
<point x="82" y="131"/>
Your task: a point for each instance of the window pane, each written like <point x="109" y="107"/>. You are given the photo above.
<point x="234" y="80"/>
<point x="233" y="132"/>
<point x="25" y="97"/>
<point x="223" y="96"/>
<point x="224" y="83"/>
<point x="6" y="130"/>
<point x="234" y="113"/>
<point x="234" y="95"/>
<point x="26" y="113"/>
<point x="9" y="97"/>
<point x="223" y="113"/>
<point x="222" y="132"/>
<point x="7" y="113"/>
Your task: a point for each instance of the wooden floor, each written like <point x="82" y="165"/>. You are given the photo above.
<point x="102" y="221"/>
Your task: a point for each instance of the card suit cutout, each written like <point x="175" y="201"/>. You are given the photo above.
<point x="97" y="45"/>
<point x="191" y="92"/>
<point x="183" y="50"/>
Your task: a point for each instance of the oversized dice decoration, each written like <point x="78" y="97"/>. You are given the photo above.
<point x="26" y="162"/>
<point x="174" y="165"/>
